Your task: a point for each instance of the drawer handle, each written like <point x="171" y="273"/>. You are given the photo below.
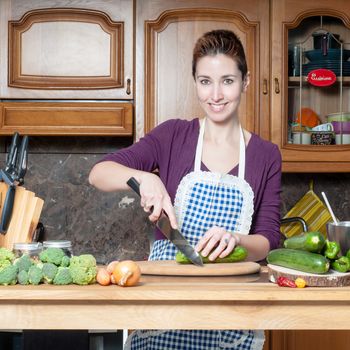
<point x="264" y="87"/>
<point x="277" y="86"/>
<point x="128" y="89"/>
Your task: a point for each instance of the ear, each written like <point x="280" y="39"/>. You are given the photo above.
<point x="246" y="82"/>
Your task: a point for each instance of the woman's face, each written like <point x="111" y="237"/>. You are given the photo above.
<point x="219" y="86"/>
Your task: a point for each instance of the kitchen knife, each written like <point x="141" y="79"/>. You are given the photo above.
<point x="173" y="235"/>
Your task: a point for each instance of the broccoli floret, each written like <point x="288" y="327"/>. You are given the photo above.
<point x="6" y="254"/>
<point x="35" y="275"/>
<point x="8" y="273"/>
<point x="52" y="255"/>
<point x="23" y="263"/>
<point x="63" y="276"/>
<point x="83" y="269"/>
<point x="49" y="272"/>
<point x="65" y="261"/>
<point x="23" y="278"/>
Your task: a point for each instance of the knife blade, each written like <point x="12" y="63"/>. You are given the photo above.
<point x="173" y="235"/>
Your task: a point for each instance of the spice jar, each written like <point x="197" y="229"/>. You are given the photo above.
<point x="66" y="246"/>
<point x="33" y="249"/>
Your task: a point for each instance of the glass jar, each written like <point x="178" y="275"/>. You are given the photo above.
<point x="33" y="249"/>
<point x="66" y="246"/>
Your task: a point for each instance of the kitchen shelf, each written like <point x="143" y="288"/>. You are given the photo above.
<point x="295" y="81"/>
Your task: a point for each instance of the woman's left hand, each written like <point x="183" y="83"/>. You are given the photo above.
<point x="217" y="242"/>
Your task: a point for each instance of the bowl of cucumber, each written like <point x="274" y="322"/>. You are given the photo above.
<point x="340" y="232"/>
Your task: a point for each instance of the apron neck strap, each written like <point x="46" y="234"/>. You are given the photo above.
<point x="199" y="149"/>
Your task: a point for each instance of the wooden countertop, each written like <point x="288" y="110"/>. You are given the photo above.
<point x="159" y="302"/>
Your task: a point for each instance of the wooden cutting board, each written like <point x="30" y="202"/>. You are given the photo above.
<point x="329" y="279"/>
<point x="172" y="268"/>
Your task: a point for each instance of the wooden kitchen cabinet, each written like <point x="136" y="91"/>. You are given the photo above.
<point x="167" y="31"/>
<point x="58" y="49"/>
<point x="66" y="118"/>
<point x="294" y="22"/>
<point x="307" y="339"/>
<point x="66" y="67"/>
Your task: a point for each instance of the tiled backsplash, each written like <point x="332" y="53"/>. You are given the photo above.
<point x="112" y="225"/>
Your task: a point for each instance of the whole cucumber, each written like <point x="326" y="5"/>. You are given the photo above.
<point x="300" y="260"/>
<point x="239" y="253"/>
<point x="309" y="241"/>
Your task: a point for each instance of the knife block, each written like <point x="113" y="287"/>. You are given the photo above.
<point x="25" y="216"/>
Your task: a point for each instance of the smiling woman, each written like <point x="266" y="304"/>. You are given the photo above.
<point x="218" y="184"/>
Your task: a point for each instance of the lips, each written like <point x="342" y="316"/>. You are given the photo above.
<point x="217" y="107"/>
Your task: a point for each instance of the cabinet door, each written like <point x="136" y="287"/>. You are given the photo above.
<point x="305" y="340"/>
<point x="299" y="21"/>
<point x="166" y="32"/>
<point x="59" y="49"/>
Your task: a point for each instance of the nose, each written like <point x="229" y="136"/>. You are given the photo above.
<point x="217" y="93"/>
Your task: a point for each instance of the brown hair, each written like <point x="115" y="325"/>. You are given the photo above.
<point x="220" y="42"/>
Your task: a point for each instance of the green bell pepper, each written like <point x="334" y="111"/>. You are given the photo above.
<point x="348" y="254"/>
<point x="331" y="249"/>
<point x="341" y="265"/>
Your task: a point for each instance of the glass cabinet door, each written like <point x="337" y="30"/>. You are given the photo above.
<point x="318" y="83"/>
<point x="310" y="84"/>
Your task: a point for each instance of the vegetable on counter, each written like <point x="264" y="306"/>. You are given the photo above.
<point x="127" y="273"/>
<point x="103" y="277"/>
<point x="308" y="241"/>
<point x="299" y="260"/>
<point x="331" y="250"/>
<point x="341" y="265"/>
<point x="52" y="255"/>
<point x="8" y="271"/>
<point x="63" y="276"/>
<point x="83" y="269"/>
<point x="49" y="271"/>
<point x="285" y="282"/>
<point x="300" y="282"/>
<point x="239" y="253"/>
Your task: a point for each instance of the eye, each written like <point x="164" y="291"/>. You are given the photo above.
<point x="204" y="81"/>
<point x="228" y="81"/>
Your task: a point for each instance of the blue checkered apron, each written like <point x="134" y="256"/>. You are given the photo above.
<point x="204" y="200"/>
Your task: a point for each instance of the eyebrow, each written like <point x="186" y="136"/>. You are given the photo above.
<point x="224" y="76"/>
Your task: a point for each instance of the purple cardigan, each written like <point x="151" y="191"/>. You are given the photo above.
<point x="171" y="148"/>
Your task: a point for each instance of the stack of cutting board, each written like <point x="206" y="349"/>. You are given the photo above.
<point x="25" y="216"/>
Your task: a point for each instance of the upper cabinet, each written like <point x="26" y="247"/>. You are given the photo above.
<point x="310" y="77"/>
<point x="59" y="49"/>
<point x="166" y="32"/>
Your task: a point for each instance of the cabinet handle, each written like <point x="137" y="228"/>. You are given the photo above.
<point x="277" y="86"/>
<point x="264" y="91"/>
<point x="128" y="89"/>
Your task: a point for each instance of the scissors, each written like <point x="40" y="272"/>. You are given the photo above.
<point x="13" y="175"/>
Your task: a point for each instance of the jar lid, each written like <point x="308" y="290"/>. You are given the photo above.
<point x="27" y="246"/>
<point x="57" y="244"/>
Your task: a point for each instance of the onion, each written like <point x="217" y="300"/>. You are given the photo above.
<point x="127" y="273"/>
<point x="103" y="277"/>
<point x="111" y="266"/>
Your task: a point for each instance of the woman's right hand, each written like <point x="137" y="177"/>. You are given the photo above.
<point x="155" y="197"/>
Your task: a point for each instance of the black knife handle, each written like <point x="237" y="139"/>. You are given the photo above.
<point x="133" y="183"/>
<point x="12" y="154"/>
<point x="7" y="209"/>
<point x="22" y="160"/>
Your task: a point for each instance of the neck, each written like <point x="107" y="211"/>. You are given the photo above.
<point x="219" y="133"/>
